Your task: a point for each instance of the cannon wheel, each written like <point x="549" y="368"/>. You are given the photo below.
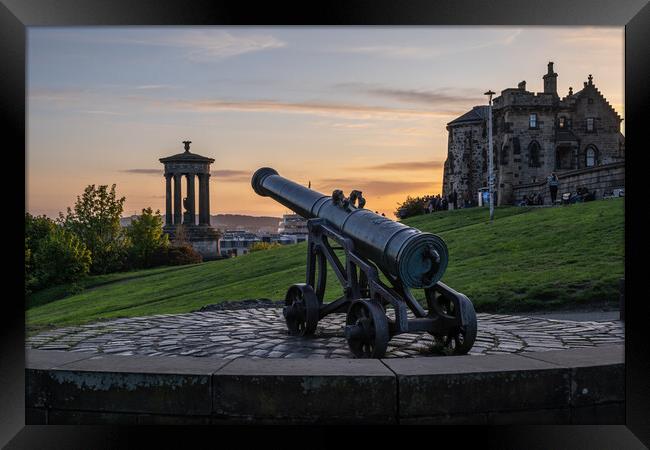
<point x="367" y="329"/>
<point x="301" y="310"/>
<point x="461" y="340"/>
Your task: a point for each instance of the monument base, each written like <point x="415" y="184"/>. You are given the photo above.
<point x="203" y="238"/>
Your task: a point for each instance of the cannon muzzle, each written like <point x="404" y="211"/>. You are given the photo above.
<point x="414" y="258"/>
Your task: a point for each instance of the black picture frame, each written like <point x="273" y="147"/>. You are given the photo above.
<point x="16" y="15"/>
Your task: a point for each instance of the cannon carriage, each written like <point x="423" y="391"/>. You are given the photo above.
<point x="372" y="246"/>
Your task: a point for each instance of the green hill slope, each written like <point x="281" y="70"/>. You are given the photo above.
<point x="529" y="258"/>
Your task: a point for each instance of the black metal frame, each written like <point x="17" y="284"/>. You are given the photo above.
<point x="360" y="280"/>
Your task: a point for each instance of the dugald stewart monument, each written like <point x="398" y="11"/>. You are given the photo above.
<point x="202" y="236"/>
<point x="577" y="136"/>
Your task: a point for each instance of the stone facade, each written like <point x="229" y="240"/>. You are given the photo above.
<point x="600" y="179"/>
<point x="535" y="134"/>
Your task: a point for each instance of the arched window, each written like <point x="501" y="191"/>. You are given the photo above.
<point x="504" y="154"/>
<point x="591" y="156"/>
<point x="534" y="154"/>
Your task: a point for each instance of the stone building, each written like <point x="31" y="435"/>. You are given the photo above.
<point x="202" y="236"/>
<point x="577" y="136"/>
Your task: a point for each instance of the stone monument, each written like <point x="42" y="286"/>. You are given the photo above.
<point x="201" y="236"/>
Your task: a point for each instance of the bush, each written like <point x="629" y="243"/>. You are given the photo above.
<point x="257" y="246"/>
<point x="412" y="206"/>
<point x="181" y="254"/>
<point x="59" y="257"/>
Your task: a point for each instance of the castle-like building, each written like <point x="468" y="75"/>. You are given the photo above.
<point x="577" y="136"/>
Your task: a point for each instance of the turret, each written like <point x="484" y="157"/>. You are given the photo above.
<point x="550" y="80"/>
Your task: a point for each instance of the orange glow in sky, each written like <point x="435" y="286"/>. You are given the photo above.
<point x="349" y="108"/>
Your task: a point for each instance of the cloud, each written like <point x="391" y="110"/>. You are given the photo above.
<point x="57" y="95"/>
<point x="374" y="188"/>
<point x="62" y="97"/>
<point x="598" y="38"/>
<point x="229" y="175"/>
<point x="445" y="96"/>
<point x="101" y="112"/>
<point x="144" y="171"/>
<point x="409" y="165"/>
<point x="210" y="45"/>
<point x="316" y="108"/>
<point x="345" y="125"/>
<point x="222" y="174"/>
<point x="200" y="44"/>
<point x="154" y="86"/>
<point x="430" y="51"/>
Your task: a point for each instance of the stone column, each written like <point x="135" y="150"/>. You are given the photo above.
<point x="178" y="206"/>
<point x="168" y="199"/>
<point x="190" y="198"/>
<point x="201" y="201"/>
<point x="206" y="197"/>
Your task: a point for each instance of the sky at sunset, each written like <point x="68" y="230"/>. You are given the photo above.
<point x="351" y="108"/>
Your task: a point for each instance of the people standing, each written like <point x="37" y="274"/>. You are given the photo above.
<point x="553" y="184"/>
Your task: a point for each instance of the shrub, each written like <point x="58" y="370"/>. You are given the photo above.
<point x="412" y="206"/>
<point x="52" y="254"/>
<point x="181" y="254"/>
<point x="257" y="246"/>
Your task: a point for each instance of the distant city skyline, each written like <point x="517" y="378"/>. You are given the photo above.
<point x="341" y="107"/>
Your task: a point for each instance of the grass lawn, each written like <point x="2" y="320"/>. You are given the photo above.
<point x="529" y="258"/>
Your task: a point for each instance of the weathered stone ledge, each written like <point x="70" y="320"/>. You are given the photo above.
<point x="577" y="386"/>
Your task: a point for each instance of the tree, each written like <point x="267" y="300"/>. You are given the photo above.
<point x="96" y="221"/>
<point x="412" y="206"/>
<point x="146" y="238"/>
<point x="53" y="255"/>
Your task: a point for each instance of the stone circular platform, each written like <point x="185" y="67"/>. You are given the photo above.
<point x="261" y="333"/>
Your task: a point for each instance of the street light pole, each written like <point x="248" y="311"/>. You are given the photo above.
<point x="490" y="156"/>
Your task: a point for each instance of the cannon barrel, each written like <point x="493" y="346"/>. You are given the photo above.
<point x="415" y="258"/>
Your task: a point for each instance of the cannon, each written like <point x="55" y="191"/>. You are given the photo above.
<point x="372" y="246"/>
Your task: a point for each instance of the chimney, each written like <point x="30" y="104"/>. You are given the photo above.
<point x="522" y="85"/>
<point x="550" y="80"/>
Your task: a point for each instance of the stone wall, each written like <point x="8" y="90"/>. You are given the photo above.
<point x="579" y="386"/>
<point x="204" y="239"/>
<point x="598" y="179"/>
<point x="466" y="167"/>
<point x="207" y="248"/>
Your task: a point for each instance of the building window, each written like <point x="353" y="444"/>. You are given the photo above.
<point x="569" y="124"/>
<point x="534" y="154"/>
<point x="590" y="124"/>
<point x="562" y="122"/>
<point x="532" y="121"/>
<point x="590" y="157"/>
<point x="504" y="155"/>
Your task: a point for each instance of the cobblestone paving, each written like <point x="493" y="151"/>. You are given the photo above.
<point x="261" y="333"/>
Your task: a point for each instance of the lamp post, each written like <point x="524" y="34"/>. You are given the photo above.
<point x="490" y="156"/>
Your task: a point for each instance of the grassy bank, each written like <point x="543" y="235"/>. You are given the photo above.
<point x="529" y="258"/>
